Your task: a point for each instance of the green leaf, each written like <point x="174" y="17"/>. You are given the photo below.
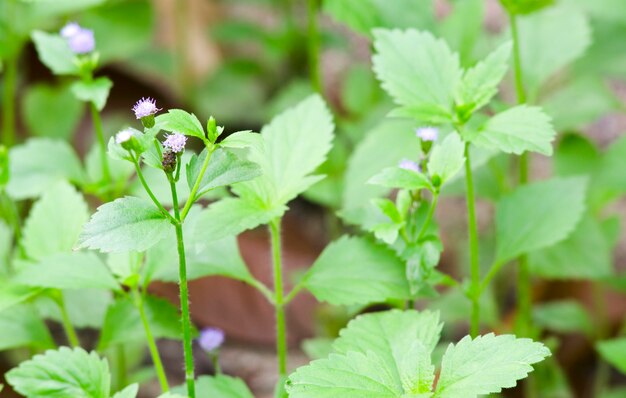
<point x="295" y="143"/>
<point x="95" y="91"/>
<point x="86" y="307"/>
<point x="486" y="364"/>
<point x="51" y="111"/>
<point x="54" y="222"/>
<point x="126" y="224"/>
<point x="12" y="294"/>
<point x="224" y="169"/>
<point x="576" y="155"/>
<point x="55" y="53"/>
<point x="516" y="130"/>
<point x="565" y="316"/>
<point x="462" y="28"/>
<point x="76" y="270"/>
<point x="416" y="69"/>
<point x="614" y="352"/>
<point x="538" y="215"/>
<point x="177" y="120"/>
<point x="480" y="83"/>
<point x="128" y="392"/>
<point x="222" y="386"/>
<point x="447" y="158"/>
<point x="22" y="327"/>
<point x="354" y="270"/>
<point x="585" y="254"/>
<point x="38" y="164"/>
<point x="397" y="177"/>
<point x="62" y="373"/>
<point x="525" y="6"/>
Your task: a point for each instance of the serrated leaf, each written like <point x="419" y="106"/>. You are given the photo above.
<point x="51" y="111"/>
<point x="516" y="130"/>
<point x="62" y="373"/>
<point x="54" y="222"/>
<point x="397" y="177"/>
<point x="217" y="386"/>
<point x="96" y="91"/>
<point x="126" y="224"/>
<point x="23" y="327"/>
<point x="241" y="139"/>
<point x="128" y="392"/>
<point x="480" y="83"/>
<point x="486" y="364"/>
<point x="224" y="169"/>
<point x="177" y="120"/>
<point x="40" y="163"/>
<point x="447" y="158"/>
<point x="538" y="215"/>
<point x="55" y="53"/>
<point x="354" y="270"/>
<point x="614" y="352"/>
<point x="76" y="270"/>
<point x="416" y="69"/>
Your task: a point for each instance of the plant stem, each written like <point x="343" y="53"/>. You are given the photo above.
<point x="473" y="245"/>
<point x="184" y="295"/>
<point x="70" y="332"/>
<point x="8" y="101"/>
<point x="603" y="372"/>
<point x="149" y="191"/>
<point x="196" y="185"/>
<point x="97" y="124"/>
<point x="517" y="60"/>
<point x="313" y="46"/>
<point x="429" y="216"/>
<point x="281" y="334"/>
<point x="154" y="351"/>
<point x="120" y="357"/>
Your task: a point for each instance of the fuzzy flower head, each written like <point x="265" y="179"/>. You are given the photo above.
<point x="123" y="136"/>
<point x="211" y="339"/>
<point x="82" y="41"/>
<point x="409" y="165"/>
<point x="145" y="107"/>
<point x="70" y="29"/>
<point x="175" y="142"/>
<point x="428" y="134"/>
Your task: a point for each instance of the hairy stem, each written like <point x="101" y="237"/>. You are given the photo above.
<point x="70" y="332"/>
<point x="154" y="351"/>
<point x="473" y="245"/>
<point x="149" y="191"/>
<point x="8" y="101"/>
<point x="429" y="217"/>
<point x="281" y="333"/>
<point x="196" y="185"/>
<point x="184" y="295"/>
<point x="313" y="46"/>
<point x="97" y="124"/>
<point x="120" y="358"/>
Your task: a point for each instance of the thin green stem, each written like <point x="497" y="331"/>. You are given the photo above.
<point x="120" y="357"/>
<point x="149" y="191"/>
<point x="70" y="332"/>
<point x="267" y="293"/>
<point x="313" y="45"/>
<point x="215" y="358"/>
<point x="517" y="60"/>
<point x="281" y="333"/>
<point x="184" y="295"/>
<point x="9" y="84"/>
<point x="154" y="351"/>
<point x="97" y="124"/>
<point x="429" y="217"/>
<point x="472" y="227"/>
<point x="196" y="185"/>
<point x="493" y="271"/>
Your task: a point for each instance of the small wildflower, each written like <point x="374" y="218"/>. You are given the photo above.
<point x="427" y="133"/>
<point x="82" y="42"/>
<point x="145" y="107"/>
<point x="409" y="165"/>
<point x="211" y="339"/>
<point x="123" y="136"/>
<point x="175" y="142"/>
<point x="69" y="30"/>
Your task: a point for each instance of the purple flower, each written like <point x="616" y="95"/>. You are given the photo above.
<point x="70" y="29"/>
<point x="427" y="133"/>
<point x="175" y="142"/>
<point x="82" y="42"/>
<point x="123" y="136"/>
<point x="145" y="107"/>
<point x="409" y="165"/>
<point x="211" y="339"/>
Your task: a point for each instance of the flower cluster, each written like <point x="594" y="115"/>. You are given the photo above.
<point x="175" y="142"/>
<point x="80" y="40"/>
<point x="428" y="134"/>
<point x="145" y="107"/>
<point x="410" y="165"/>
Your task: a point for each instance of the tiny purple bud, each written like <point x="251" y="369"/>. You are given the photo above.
<point x="427" y="133"/>
<point x="211" y="339"/>
<point x="69" y="30"/>
<point x="82" y="42"/>
<point x="175" y="142"/>
<point x="123" y="136"/>
<point x="409" y="165"/>
<point x="145" y="107"/>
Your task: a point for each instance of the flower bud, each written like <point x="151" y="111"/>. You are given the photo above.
<point x="169" y="161"/>
<point x="175" y="142"/>
<point x="145" y="109"/>
<point x="211" y="339"/>
<point x="211" y="128"/>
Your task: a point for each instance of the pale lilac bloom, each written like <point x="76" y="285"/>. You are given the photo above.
<point x="82" y="42"/>
<point x="409" y="165"/>
<point x="175" y="142"/>
<point x="427" y="133"/>
<point x="70" y="29"/>
<point x="211" y="339"/>
<point x="123" y="136"/>
<point x="145" y="107"/>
